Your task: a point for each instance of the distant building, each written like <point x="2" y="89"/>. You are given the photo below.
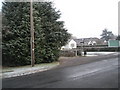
<point x="89" y="41"/>
<point x="74" y="43"/>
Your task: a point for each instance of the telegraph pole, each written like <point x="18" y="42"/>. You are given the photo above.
<point x="32" y="34"/>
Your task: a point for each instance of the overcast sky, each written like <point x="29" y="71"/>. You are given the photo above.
<point x="87" y="18"/>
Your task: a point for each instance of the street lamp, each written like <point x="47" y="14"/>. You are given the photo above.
<point x="32" y="34"/>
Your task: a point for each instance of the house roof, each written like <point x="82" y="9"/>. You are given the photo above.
<point x="87" y="40"/>
<point x="78" y="40"/>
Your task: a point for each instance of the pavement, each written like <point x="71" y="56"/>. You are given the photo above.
<point x="9" y="72"/>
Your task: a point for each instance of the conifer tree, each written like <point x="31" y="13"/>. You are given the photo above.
<point x="15" y="33"/>
<point x="50" y="33"/>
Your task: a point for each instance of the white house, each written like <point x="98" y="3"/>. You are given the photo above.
<point x="71" y="44"/>
<point x="92" y="43"/>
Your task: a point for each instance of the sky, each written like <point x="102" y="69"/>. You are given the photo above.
<point x="87" y="18"/>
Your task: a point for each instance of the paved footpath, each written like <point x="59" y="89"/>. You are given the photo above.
<point x="25" y="70"/>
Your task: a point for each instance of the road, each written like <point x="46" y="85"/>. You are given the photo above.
<point x="99" y="74"/>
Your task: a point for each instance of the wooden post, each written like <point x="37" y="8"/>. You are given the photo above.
<point x="32" y="34"/>
<point x="76" y="52"/>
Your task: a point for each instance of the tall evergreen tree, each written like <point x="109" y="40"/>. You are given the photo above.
<point x="15" y="33"/>
<point x="106" y="35"/>
<point x="50" y="33"/>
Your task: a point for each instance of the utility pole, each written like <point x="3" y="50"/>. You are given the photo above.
<point x="32" y="34"/>
<point x="82" y="44"/>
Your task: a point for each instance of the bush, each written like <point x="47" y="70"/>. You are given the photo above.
<point x="67" y="53"/>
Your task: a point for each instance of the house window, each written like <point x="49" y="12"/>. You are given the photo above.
<point x="72" y="45"/>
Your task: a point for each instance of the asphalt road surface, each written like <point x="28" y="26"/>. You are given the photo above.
<point x="99" y="74"/>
